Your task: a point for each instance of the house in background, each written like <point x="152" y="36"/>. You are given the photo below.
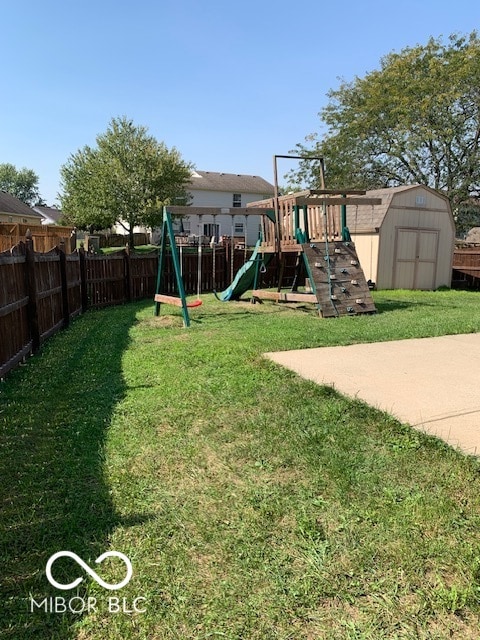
<point x="15" y="211"/>
<point x="407" y="241"/>
<point x="16" y="218"/>
<point x="227" y="191"/>
<point x="50" y="215"/>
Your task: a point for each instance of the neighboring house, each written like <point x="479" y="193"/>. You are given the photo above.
<point x="407" y="241"/>
<point x="16" y="218"/>
<point x="219" y="190"/>
<point x="228" y="191"/>
<point x="50" y="215"/>
<point x="14" y="210"/>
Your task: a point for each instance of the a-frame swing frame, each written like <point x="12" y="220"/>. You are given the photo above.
<point x="181" y="300"/>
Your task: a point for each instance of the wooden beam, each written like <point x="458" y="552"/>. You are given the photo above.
<point x="13" y="306"/>
<point x="216" y="211"/>
<point x="465" y="267"/>
<point x="339" y="192"/>
<point x="288" y="247"/>
<point x="280" y="296"/>
<point x="338" y="200"/>
<point x="161" y="297"/>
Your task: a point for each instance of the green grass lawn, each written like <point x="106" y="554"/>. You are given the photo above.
<point x="143" y="248"/>
<point x="251" y="503"/>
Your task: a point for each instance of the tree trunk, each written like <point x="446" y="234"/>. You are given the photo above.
<point x="130" y="238"/>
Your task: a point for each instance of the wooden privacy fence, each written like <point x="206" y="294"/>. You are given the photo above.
<point x="45" y="237"/>
<point x="40" y="293"/>
<point x="466" y="267"/>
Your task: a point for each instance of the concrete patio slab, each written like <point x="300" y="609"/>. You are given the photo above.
<point x="431" y="383"/>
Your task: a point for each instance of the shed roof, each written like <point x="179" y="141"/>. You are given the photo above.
<point x="231" y="182"/>
<point x="370" y="217"/>
<point x="11" y="204"/>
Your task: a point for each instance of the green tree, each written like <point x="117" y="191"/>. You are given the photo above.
<point x="21" y="183"/>
<point x="126" y="179"/>
<point x="467" y="216"/>
<point x="415" y="120"/>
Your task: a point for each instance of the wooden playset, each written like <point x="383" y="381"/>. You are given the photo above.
<point x="312" y="223"/>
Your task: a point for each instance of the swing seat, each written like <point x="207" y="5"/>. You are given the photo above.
<point x="160" y="297"/>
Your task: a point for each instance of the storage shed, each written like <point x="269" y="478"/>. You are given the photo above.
<point x="406" y="242"/>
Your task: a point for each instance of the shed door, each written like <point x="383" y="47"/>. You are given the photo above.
<point x="416" y="254"/>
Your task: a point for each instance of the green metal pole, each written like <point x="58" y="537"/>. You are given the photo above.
<point x="305" y="222"/>
<point x="176" y="264"/>
<point x="257" y="270"/>
<point x="161" y="262"/>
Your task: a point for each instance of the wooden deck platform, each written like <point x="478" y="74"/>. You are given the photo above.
<point x="284" y="296"/>
<point x="317" y="213"/>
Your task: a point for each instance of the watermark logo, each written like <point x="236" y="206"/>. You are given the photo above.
<point x="89" y="570"/>
<point x="78" y="605"/>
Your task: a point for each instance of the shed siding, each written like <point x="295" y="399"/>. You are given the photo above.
<point x="409" y="208"/>
<point x="367" y="251"/>
<point x="406" y="214"/>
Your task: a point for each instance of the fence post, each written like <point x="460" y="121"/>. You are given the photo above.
<point x="128" y="274"/>
<point x="32" y="310"/>
<point x="63" y="279"/>
<point x="83" y="279"/>
<point x="228" y="264"/>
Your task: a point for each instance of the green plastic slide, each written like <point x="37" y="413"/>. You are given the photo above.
<point x="244" y="278"/>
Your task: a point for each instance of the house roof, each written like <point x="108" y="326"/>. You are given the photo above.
<point x="370" y="217"/>
<point x="231" y="182"/>
<point x="51" y="213"/>
<point x="11" y="204"/>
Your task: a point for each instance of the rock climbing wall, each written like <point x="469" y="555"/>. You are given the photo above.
<point x="338" y="279"/>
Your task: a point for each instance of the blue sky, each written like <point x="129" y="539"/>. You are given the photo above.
<point x="227" y="84"/>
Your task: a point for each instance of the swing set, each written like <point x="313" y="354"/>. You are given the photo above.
<point x="181" y="299"/>
<point x="245" y="277"/>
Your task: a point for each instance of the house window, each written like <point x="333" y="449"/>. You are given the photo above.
<point x="237" y="199"/>
<point x="420" y="201"/>
<point x="24" y="220"/>
<point x="10" y="218"/>
<point x="239" y="228"/>
<point x="211" y="231"/>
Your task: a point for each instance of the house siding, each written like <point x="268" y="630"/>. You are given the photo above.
<point x="212" y="196"/>
<point x="202" y="198"/>
<point x="16" y="218"/>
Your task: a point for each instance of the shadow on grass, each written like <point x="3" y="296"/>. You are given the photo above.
<point x="54" y="414"/>
<point x="384" y="306"/>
